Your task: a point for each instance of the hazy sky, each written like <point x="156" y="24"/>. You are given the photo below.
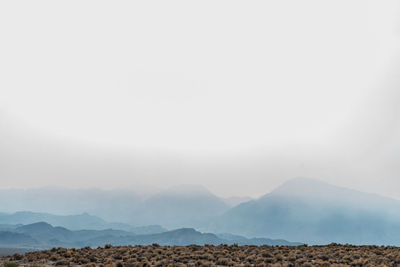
<point x="235" y="95"/>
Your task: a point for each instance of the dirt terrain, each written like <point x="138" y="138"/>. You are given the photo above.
<point x="208" y="255"/>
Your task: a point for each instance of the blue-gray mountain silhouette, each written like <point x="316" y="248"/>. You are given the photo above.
<point x="181" y="206"/>
<point x="43" y="235"/>
<point x="82" y="221"/>
<point x="315" y="212"/>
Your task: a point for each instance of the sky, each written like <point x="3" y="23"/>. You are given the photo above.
<point x="237" y="96"/>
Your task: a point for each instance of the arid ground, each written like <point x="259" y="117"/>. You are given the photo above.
<point x="208" y="255"/>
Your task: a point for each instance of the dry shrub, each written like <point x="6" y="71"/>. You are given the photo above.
<point x="208" y="255"/>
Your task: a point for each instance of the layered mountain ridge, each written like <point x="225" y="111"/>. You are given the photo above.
<point x="315" y="212"/>
<point x="302" y="209"/>
<point x="42" y="235"/>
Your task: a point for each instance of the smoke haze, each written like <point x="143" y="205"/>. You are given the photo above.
<point x="235" y="97"/>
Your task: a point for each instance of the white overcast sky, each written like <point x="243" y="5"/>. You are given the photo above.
<point x="234" y="95"/>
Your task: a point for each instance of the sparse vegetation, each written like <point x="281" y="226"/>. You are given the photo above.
<point x="209" y="255"/>
<point x="10" y="264"/>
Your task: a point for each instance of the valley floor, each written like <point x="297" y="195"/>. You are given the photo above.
<point x="208" y="255"/>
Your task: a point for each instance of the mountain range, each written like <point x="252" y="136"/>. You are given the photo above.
<point x="82" y="221"/>
<point x="315" y="212"/>
<point x="43" y="235"/>
<point x="300" y="210"/>
<point x="180" y="206"/>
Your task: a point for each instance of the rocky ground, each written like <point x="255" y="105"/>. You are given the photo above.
<point x="208" y="255"/>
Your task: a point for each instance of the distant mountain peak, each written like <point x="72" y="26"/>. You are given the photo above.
<point x="304" y="186"/>
<point x="185" y="231"/>
<point x="39" y="226"/>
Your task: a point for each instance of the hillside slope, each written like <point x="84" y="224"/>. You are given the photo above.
<point x="43" y="235"/>
<point x="315" y="212"/>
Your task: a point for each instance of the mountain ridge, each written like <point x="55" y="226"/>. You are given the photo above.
<point x="298" y="210"/>
<point x="43" y="235"/>
<point x="82" y="221"/>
